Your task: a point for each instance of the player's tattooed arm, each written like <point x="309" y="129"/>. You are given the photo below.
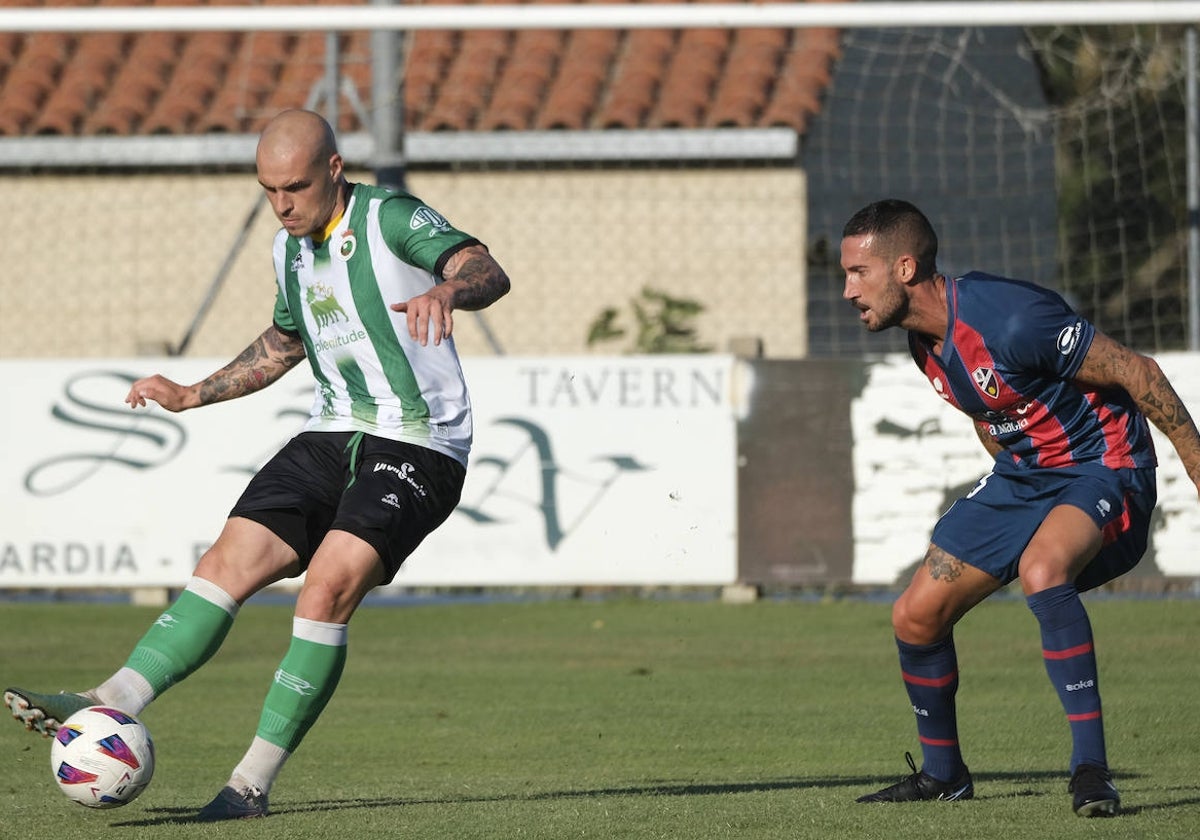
<point x="268" y="357"/>
<point x="1111" y="364"/>
<point x="942" y="565"/>
<point x="477" y="280"/>
<point x="471" y="279"/>
<point x="985" y="437"/>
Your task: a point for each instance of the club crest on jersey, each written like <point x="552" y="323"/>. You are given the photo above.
<point x="423" y="216"/>
<point x="349" y="245"/>
<point x="985" y="380"/>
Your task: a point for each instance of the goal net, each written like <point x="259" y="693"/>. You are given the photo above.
<point x="1055" y="154"/>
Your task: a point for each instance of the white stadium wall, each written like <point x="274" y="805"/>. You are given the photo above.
<point x="589" y="471"/>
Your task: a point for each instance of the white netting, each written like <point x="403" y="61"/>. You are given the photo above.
<point x="1051" y="154"/>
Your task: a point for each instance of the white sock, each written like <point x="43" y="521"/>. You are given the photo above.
<point x="259" y="766"/>
<point x="126" y="690"/>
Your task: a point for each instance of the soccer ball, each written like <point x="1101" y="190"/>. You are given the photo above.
<point x="102" y="757"/>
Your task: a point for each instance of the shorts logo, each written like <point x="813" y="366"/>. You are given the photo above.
<point x="1103" y="507"/>
<point x="985" y="379"/>
<point x="391" y="499"/>
<point x="1069" y="337"/>
<point x="405" y="471"/>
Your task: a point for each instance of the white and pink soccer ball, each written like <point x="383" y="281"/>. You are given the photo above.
<point x="102" y="757"/>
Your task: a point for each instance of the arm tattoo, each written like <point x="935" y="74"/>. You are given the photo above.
<point x="1110" y="364"/>
<point x="269" y="357"/>
<point x="480" y="280"/>
<point x="989" y="443"/>
<point x="942" y="565"/>
<point x="1162" y="405"/>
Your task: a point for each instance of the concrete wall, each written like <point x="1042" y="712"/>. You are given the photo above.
<point x="117" y="265"/>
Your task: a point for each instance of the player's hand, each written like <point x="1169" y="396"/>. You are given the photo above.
<point x="170" y="395"/>
<point x="427" y="314"/>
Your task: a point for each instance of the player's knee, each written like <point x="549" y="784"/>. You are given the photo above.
<point x="1036" y="577"/>
<point x="328" y="599"/>
<point x="917" y="626"/>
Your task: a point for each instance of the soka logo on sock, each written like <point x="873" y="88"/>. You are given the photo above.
<point x="293" y="683"/>
<point x="1080" y="686"/>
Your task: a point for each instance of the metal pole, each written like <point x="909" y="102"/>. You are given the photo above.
<point x="333" y="60"/>
<point x="387" y="106"/>
<point x="1193" y="195"/>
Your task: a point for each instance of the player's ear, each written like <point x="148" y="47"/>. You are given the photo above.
<point x="335" y="166"/>
<point x="906" y="267"/>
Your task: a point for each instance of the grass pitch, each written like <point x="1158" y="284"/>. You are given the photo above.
<point x="625" y="719"/>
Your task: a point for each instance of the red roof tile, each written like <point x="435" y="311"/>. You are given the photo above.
<point x="477" y="80"/>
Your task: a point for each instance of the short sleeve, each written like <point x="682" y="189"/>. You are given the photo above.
<point x="1045" y="334"/>
<point x="417" y="233"/>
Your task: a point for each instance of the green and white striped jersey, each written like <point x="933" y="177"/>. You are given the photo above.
<point x="370" y="375"/>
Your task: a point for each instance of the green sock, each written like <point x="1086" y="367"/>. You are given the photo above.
<point x="305" y="681"/>
<point x="185" y="636"/>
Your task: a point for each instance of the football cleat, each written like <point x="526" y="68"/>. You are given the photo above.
<point x="234" y="804"/>
<point x="1095" y="793"/>
<point x="44" y="713"/>
<point x="921" y="787"/>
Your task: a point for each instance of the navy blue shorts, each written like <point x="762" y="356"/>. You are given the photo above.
<point x="990" y="526"/>
<point x="388" y="493"/>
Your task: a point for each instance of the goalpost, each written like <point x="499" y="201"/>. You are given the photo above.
<point x="1120" y="80"/>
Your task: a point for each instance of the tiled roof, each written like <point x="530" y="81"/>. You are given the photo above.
<point x="169" y="83"/>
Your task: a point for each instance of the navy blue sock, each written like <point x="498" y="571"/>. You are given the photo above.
<point x="1070" y="657"/>
<point x="931" y="677"/>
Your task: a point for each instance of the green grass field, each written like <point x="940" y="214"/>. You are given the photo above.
<point x="625" y="718"/>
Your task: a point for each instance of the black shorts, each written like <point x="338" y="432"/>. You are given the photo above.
<point x="389" y="493"/>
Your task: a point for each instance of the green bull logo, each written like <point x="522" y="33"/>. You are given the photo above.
<point x="324" y="307"/>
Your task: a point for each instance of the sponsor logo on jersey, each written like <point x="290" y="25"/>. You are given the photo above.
<point x="349" y="245"/>
<point x="1000" y="423"/>
<point x="391" y="499"/>
<point x="1069" y="337"/>
<point x="325" y="309"/>
<point x="985" y="380"/>
<point x="423" y="216"/>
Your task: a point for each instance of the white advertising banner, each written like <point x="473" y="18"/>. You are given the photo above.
<point x="914" y="455"/>
<point x="585" y="471"/>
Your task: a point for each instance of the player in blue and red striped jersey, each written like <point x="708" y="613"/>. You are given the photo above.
<point x="1063" y="409"/>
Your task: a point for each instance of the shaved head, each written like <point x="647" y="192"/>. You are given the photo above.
<point x="301" y="171"/>
<point x="303" y="134"/>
